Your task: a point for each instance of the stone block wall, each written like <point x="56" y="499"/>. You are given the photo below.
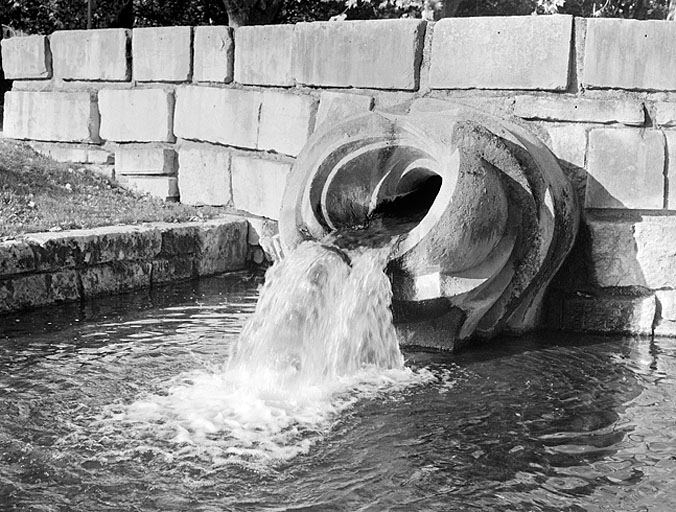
<point x="213" y="115"/>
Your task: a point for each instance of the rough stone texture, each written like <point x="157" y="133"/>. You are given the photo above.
<point x="161" y="54"/>
<point x="568" y="142"/>
<point x="74" y="153"/>
<point x="383" y="54"/>
<point x="16" y="257"/>
<point x="172" y="270"/>
<point x="625" y="169"/>
<point x="84" y="247"/>
<point x="562" y="108"/>
<point x="670" y="137"/>
<point x="162" y="187"/>
<point x="26" y="58"/>
<point x="286" y="122"/>
<point x="223" y="116"/>
<point x="630" y="54"/>
<point x="33" y="290"/>
<point x="258" y="185"/>
<point x="115" y="277"/>
<point x="138" y="115"/>
<point x="222" y="246"/>
<point x="213" y="54"/>
<point x="179" y="240"/>
<point x="665" y="114"/>
<point x="633" y="252"/>
<point x="204" y="176"/>
<point x="97" y="55"/>
<point x="609" y="314"/>
<point x="516" y="52"/>
<point x="336" y="106"/>
<point x="666" y="307"/>
<point x="263" y="55"/>
<point x="132" y="159"/>
<point x="42" y="115"/>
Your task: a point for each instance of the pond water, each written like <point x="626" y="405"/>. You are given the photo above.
<point x="114" y="406"/>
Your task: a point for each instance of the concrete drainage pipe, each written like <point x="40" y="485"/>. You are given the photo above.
<point x="482" y="214"/>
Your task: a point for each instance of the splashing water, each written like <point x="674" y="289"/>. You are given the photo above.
<point x="321" y="338"/>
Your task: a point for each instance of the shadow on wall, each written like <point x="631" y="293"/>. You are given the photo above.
<point x="602" y="285"/>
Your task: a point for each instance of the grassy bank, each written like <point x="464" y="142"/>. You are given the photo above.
<point x="39" y="194"/>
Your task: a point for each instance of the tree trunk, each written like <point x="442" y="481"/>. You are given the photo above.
<point x="671" y="10"/>
<point x="251" y="12"/>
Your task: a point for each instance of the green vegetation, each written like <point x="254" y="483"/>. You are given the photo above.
<point x="39" y="194"/>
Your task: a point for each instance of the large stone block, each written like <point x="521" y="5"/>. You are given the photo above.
<point x="162" y="187"/>
<point x="172" y="270"/>
<point x="222" y="246"/>
<point x="161" y="54"/>
<point x="222" y="116"/>
<point x="263" y="55"/>
<point x="204" y="175"/>
<point x="26" y="58"/>
<point x="213" y="54"/>
<point x="609" y="314"/>
<point x="562" y="108"/>
<point x="115" y="277"/>
<point x="665" y="114"/>
<point x="569" y="142"/>
<point x="634" y="251"/>
<point x="516" y="52"/>
<point x="16" y="257"/>
<point x="630" y="54"/>
<point x="101" y="55"/>
<point x="136" y="115"/>
<point x="51" y="116"/>
<point x="31" y="290"/>
<point x="383" y="54"/>
<point x="286" y="122"/>
<point x="133" y="159"/>
<point x="336" y="106"/>
<point x="625" y="169"/>
<point x="666" y="318"/>
<point x="258" y="185"/>
<point x="74" y="153"/>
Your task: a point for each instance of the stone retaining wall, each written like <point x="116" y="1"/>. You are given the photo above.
<point x="47" y="268"/>
<point x="217" y="116"/>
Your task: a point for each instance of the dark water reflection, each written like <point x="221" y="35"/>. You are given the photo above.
<point x="540" y="423"/>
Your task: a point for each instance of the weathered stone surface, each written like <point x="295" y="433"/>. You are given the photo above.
<point x="223" y="116"/>
<point x="665" y="114"/>
<point x="336" y="106"/>
<point x="258" y="185"/>
<point x="204" y="176"/>
<point x="515" y="52"/>
<point x="51" y="116"/>
<point x="213" y="54"/>
<point x="562" y="108"/>
<point x="263" y="55"/>
<point x="160" y="186"/>
<point x="609" y="314"/>
<point x="115" y="277"/>
<point x="179" y="240"/>
<point x="161" y="54"/>
<point x="633" y="252"/>
<point x="26" y="58"/>
<point x="172" y="270"/>
<point x="286" y="122"/>
<point x="100" y="55"/>
<point x="223" y="246"/>
<point x="138" y="115"/>
<point x="16" y="257"/>
<point x="670" y="137"/>
<point x="666" y="318"/>
<point x="630" y="54"/>
<point x="83" y="247"/>
<point x="625" y="169"/>
<point x="74" y="153"/>
<point x="132" y="159"/>
<point x="569" y="142"/>
<point x="31" y="290"/>
<point x="383" y="54"/>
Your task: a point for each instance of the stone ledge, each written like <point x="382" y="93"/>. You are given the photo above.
<point x="47" y="268"/>
<point x="609" y="313"/>
<point x="580" y="110"/>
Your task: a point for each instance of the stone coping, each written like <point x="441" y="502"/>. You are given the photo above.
<point x="38" y="269"/>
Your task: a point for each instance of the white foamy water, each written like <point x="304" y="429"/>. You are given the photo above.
<point x="321" y="338"/>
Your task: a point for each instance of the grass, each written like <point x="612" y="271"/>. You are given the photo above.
<point x="39" y="194"/>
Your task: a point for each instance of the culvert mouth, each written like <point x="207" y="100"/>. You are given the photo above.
<point x="379" y="191"/>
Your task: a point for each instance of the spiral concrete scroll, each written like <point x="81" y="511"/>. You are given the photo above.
<point x="496" y="216"/>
